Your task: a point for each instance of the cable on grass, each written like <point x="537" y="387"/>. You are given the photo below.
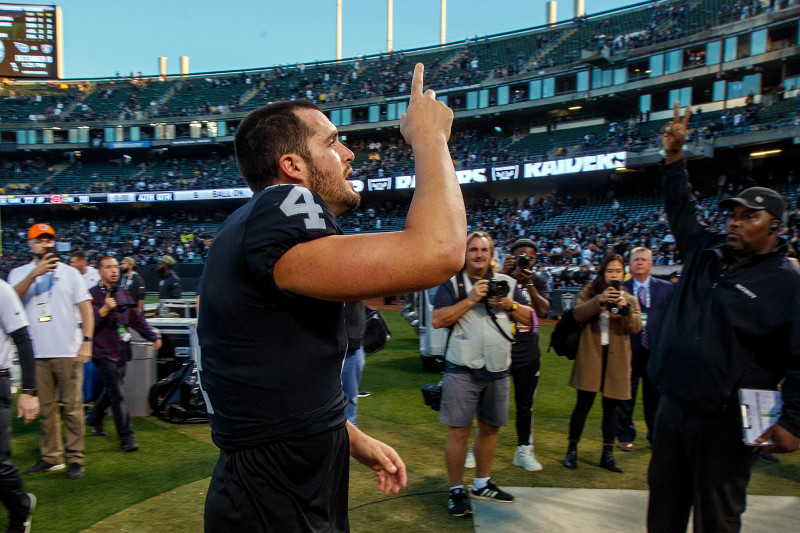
<point x="399" y="497"/>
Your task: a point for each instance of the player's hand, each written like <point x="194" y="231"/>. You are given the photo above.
<point x="27" y="407"/>
<point x="426" y="118"/>
<point x="673" y="136"/>
<point x="157" y="344"/>
<point x="783" y="441"/>
<point x="479" y="290"/>
<point x="389" y="468"/>
<point x="45" y="265"/>
<point x="84" y="352"/>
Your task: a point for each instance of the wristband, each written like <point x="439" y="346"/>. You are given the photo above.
<point x="31" y="392"/>
<point x="87" y="339"/>
<point x="514" y="307"/>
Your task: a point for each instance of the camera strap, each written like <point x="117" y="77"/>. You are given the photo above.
<point x="461" y="293"/>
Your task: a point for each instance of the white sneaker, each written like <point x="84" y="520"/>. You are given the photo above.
<point x="524" y="457"/>
<point x="470" y="462"/>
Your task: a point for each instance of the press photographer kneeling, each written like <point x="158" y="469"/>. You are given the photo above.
<point x="478" y="307"/>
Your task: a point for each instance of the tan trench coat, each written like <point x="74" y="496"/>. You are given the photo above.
<point x="586" y="372"/>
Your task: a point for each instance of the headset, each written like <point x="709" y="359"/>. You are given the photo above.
<point x="774" y="226"/>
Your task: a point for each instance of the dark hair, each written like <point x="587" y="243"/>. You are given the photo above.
<point x="598" y="284"/>
<point x="265" y="135"/>
<point x="78" y="254"/>
<point x="100" y="261"/>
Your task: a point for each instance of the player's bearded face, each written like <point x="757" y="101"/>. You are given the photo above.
<point x="334" y="188"/>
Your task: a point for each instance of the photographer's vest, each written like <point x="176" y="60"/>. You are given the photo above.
<point x="475" y="340"/>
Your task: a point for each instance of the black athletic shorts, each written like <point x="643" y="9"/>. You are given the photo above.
<point x="291" y="486"/>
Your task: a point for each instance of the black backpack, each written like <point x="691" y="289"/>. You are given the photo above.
<point x="566" y="336"/>
<point x="376" y="331"/>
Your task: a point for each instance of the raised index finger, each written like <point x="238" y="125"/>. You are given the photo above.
<point x="416" y="82"/>
<point x="676" y="109"/>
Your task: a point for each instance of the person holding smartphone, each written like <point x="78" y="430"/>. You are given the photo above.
<point x="59" y="311"/>
<point x="603" y="362"/>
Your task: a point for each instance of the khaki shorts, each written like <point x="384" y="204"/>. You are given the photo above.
<point x="464" y="396"/>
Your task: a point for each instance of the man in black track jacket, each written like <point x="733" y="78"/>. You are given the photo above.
<point x="733" y="322"/>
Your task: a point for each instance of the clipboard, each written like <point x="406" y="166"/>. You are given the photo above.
<point x="760" y="410"/>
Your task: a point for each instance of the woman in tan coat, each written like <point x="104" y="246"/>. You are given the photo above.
<point x="603" y="363"/>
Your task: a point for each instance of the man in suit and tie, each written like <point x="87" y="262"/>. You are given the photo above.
<point x="653" y="295"/>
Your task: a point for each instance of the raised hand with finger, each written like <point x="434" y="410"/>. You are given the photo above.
<point x="673" y="136"/>
<point x="426" y="118"/>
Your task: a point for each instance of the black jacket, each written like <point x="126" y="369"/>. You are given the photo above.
<point x="726" y="327"/>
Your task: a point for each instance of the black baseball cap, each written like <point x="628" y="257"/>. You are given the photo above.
<point x="758" y="198"/>
<point x="519" y="243"/>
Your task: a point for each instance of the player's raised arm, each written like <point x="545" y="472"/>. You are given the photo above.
<point x="426" y="253"/>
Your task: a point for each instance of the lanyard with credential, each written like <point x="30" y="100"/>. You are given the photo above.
<point x="44" y="283"/>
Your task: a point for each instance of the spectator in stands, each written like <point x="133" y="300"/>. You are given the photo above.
<point x="77" y="259"/>
<point x="54" y="296"/>
<point x="603" y="361"/>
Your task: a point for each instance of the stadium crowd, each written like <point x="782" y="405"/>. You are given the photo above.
<point x="566" y="253"/>
<point x="385" y="74"/>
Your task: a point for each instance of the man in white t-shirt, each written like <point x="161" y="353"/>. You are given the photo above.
<point x="14" y="329"/>
<point x="58" y="307"/>
<point x="91" y="277"/>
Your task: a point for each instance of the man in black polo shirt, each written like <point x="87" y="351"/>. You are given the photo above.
<point x="271" y="319"/>
<point x="132" y="281"/>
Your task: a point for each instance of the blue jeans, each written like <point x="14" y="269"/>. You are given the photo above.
<point x="351" y="378"/>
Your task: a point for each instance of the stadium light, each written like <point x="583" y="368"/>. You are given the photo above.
<point x="576" y="108"/>
<point x="765" y="153"/>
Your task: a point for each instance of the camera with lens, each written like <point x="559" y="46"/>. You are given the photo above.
<point x="523" y="262"/>
<point x="498" y="288"/>
<point x="612" y="307"/>
<point x="432" y="395"/>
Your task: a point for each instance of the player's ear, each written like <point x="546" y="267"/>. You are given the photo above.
<point x="292" y="169"/>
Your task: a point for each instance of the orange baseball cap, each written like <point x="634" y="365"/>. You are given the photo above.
<point x="37" y="230"/>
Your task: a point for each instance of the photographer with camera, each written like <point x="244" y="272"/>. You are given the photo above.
<point x="115" y="313"/>
<point x="525" y="354"/>
<point x="603" y="361"/>
<point x="478" y="306"/>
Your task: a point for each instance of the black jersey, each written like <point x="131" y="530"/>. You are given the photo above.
<point x="270" y="360"/>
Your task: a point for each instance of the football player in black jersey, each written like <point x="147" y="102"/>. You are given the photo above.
<point x="271" y="319"/>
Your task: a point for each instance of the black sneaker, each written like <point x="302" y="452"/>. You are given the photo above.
<point x="98" y="431"/>
<point x="75" y="471"/>
<point x="129" y="445"/>
<point x="363" y="394"/>
<point x="492" y="492"/>
<point x="44" y="466"/>
<point x="25" y="526"/>
<point x="458" y="504"/>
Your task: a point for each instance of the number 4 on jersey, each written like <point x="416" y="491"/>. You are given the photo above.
<point x="300" y="201"/>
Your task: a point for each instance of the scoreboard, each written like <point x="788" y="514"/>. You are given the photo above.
<point x="30" y="41"/>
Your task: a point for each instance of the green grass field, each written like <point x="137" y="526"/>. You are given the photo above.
<point x="161" y="488"/>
